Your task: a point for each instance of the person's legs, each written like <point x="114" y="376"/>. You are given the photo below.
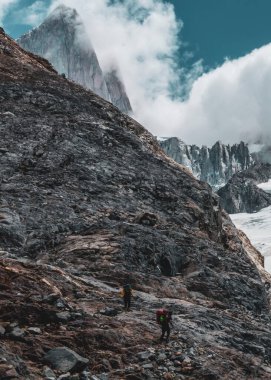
<point x="125" y="303"/>
<point x="163" y="327"/>
<point x="168" y="332"/>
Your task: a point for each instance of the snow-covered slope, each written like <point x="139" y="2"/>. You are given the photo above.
<point x="214" y="165"/>
<point x="257" y="227"/>
<point x="266" y="186"/>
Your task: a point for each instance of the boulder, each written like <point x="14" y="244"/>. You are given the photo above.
<point x="64" y="359"/>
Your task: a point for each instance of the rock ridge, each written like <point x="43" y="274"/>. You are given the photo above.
<point x="241" y="193"/>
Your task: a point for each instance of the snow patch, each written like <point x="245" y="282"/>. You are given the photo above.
<point x="266" y="186"/>
<point x="257" y="227"/>
<point x="158" y="138"/>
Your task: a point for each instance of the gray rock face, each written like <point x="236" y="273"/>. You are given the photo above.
<point x="214" y="165"/>
<point x="241" y="193"/>
<point x="62" y="39"/>
<point x="117" y="92"/>
<point x="99" y="203"/>
<point x="77" y="166"/>
<point x="64" y="359"/>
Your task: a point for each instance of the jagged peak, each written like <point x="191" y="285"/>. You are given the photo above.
<point x="63" y="11"/>
<point x="66" y="14"/>
<point x="218" y="143"/>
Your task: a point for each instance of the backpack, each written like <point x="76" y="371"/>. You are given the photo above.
<point x="127" y="290"/>
<point x="161" y="315"/>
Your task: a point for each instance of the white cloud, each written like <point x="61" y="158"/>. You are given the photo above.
<point x="4" y="7"/>
<point x="231" y="102"/>
<point x="141" y="38"/>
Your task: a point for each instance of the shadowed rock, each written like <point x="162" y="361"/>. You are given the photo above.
<point x="241" y="193"/>
<point x="63" y="359"/>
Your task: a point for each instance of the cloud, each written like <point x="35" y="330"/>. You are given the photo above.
<point x="4" y="7"/>
<point x="141" y="39"/>
<point x="32" y="15"/>
<point x="230" y="103"/>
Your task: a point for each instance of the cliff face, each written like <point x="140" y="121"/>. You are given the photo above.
<point x="214" y="165"/>
<point x="241" y="193"/>
<point x="117" y="92"/>
<point x="58" y="40"/>
<point x="62" y="39"/>
<point x="88" y="201"/>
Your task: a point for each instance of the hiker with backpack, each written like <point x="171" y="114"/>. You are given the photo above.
<point x="126" y="294"/>
<point x="164" y="319"/>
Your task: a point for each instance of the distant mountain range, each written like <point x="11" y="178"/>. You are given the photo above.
<point x="215" y="165"/>
<point x="231" y="170"/>
<point x="63" y="40"/>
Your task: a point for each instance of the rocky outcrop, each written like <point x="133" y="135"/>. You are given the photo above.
<point x="89" y="202"/>
<point x="62" y="39"/>
<point x="117" y="92"/>
<point x="241" y="193"/>
<point x="64" y="359"/>
<point x="214" y="165"/>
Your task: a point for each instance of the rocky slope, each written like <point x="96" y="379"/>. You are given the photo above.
<point x="214" y="165"/>
<point x="241" y="193"/>
<point x="88" y="201"/>
<point x="62" y="39"/>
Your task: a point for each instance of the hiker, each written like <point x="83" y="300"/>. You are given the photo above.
<point x="164" y="319"/>
<point x="126" y="294"/>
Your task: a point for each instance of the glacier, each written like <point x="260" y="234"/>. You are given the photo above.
<point x="266" y="186"/>
<point x="257" y="227"/>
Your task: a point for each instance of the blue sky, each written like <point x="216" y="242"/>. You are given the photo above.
<point x="220" y="58"/>
<point x="215" y="29"/>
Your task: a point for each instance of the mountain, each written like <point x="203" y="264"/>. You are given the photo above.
<point x="62" y="39"/>
<point x="241" y="193"/>
<point x="214" y="165"/>
<point x="117" y="92"/>
<point x="90" y="201"/>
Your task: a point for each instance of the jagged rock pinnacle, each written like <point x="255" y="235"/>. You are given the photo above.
<point x="63" y="40"/>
